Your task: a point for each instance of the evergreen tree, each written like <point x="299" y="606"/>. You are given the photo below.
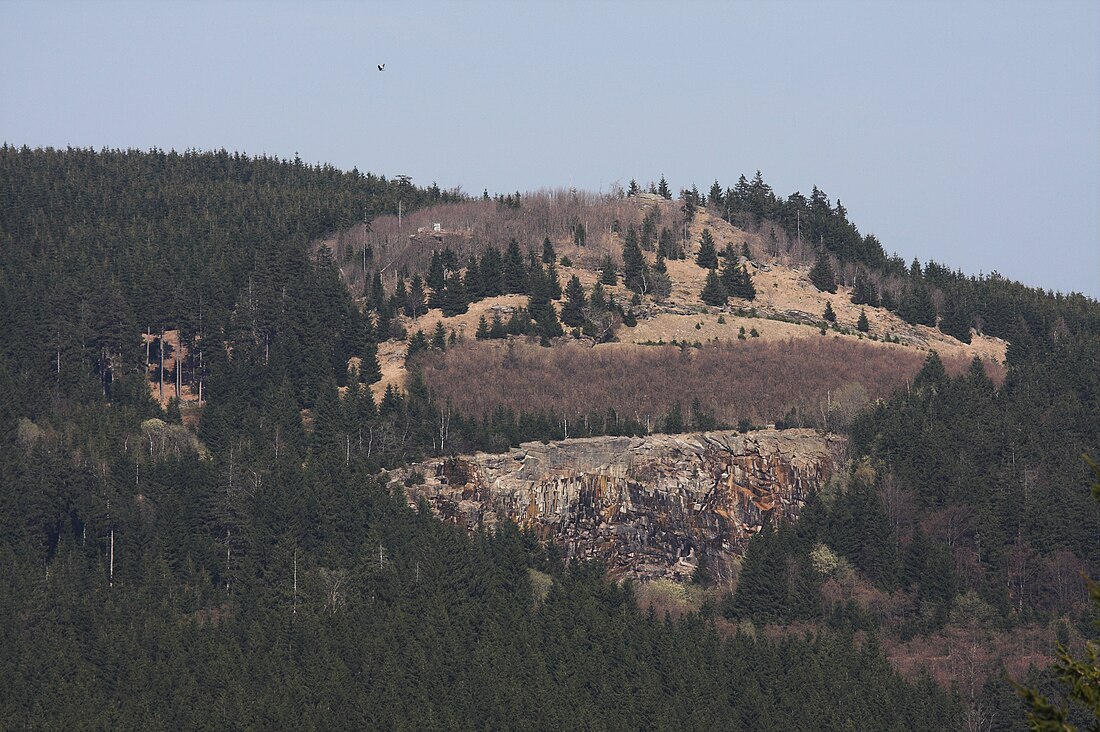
<point x="572" y="310"/>
<point x="497" y="329"/>
<point x="472" y="280"/>
<point x="863" y="292"/>
<point x="663" y="189"/>
<point x="736" y="280"/>
<point x="454" y="301"/>
<point x="714" y="293"/>
<point x="482" y="329"/>
<point x="437" y="280"/>
<point x="633" y="189"/>
<point x="400" y="299"/>
<point x="553" y="282"/>
<point x="715" y="197"/>
<point x="916" y="306"/>
<point x="635" y="270"/>
<point x="862" y="325"/>
<point x="515" y="273"/>
<point x="492" y="271"/>
<point x="608" y="275"/>
<point x="829" y="314"/>
<point x="539" y="303"/>
<point x="439" y="337"/>
<point x="417" y="344"/>
<point x="822" y="275"/>
<point x="708" y="255"/>
<point x="549" y="256"/>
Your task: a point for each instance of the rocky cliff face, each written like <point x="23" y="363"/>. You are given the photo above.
<point x="647" y="506"/>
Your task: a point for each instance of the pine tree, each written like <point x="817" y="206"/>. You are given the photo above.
<point x="862" y="325"/>
<point x="822" y="275"/>
<point x="633" y="189"/>
<point x="714" y="197"/>
<point x="713" y="292"/>
<point x="553" y="282"/>
<point x="635" y="270"/>
<point x="863" y="292"/>
<point x="916" y="306"/>
<point x="482" y="329"/>
<point x="472" y="280"/>
<point x="400" y="299"/>
<point x="735" y="278"/>
<point x="746" y="290"/>
<point x="608" y="275"/>
<point x="829" y="315"/>
<point x="548" y="254"/>
<point x="439" y="337"/>
<point x="437" y="280"/>
<point x="598" y="299"/>
<point x="664" y="190"/>
<point x="572" y="310"/>
<point x="417" y="344"/>
<point x="708" y="255"/>
<point x="454" y="296"/>
<point x="497" y="329"/>
<point x="515" y="273"/>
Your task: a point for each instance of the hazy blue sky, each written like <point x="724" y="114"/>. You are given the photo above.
<point x="964" y="132"/>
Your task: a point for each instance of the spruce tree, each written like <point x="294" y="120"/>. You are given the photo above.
<point x="497" y="329"/>
<point x="822" y="275"/>
<point x="437" y="280"/>
<point x="572" y="310"/>
<point x="491" y="269"/>
<point x="745" y="289"/>
<point x="482" y="329"/>
<point x="515" y="273"/>
<point x="707" y="258"/>
<point x="553" y="282"/>
<point x="598" y="299"/>
<point x="664" y="190"/>
<point x="475" y="287"/>
<point x="829" y="314"/>
<point x="714" y="197"/>
<point x="713" y="292"/>
<point x="862" y="325"/>
<point x="635" y="271"/>
<point x="400" y="299"/>
<point x="548" y="254"/>
<point x="608" y="275"/>
<point x="454" y="301"/>
<point x="417" y="344"/>
<point x="439" y="337"/>
<point x="916" y="306"/>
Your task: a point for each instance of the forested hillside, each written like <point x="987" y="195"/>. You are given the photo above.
<point x="240" y="560"/>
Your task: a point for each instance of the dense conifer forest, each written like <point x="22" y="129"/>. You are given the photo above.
<point x="247" y="565"/>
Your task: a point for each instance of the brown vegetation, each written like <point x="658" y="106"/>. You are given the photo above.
<point x="825" y="381"/>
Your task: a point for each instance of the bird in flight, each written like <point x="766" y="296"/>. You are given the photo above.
<point x="381" y="67"/>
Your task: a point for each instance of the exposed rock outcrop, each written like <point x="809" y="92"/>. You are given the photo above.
<point x="647" y="506"/>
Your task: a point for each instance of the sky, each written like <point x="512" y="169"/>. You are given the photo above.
<point x="965" y="132"/>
